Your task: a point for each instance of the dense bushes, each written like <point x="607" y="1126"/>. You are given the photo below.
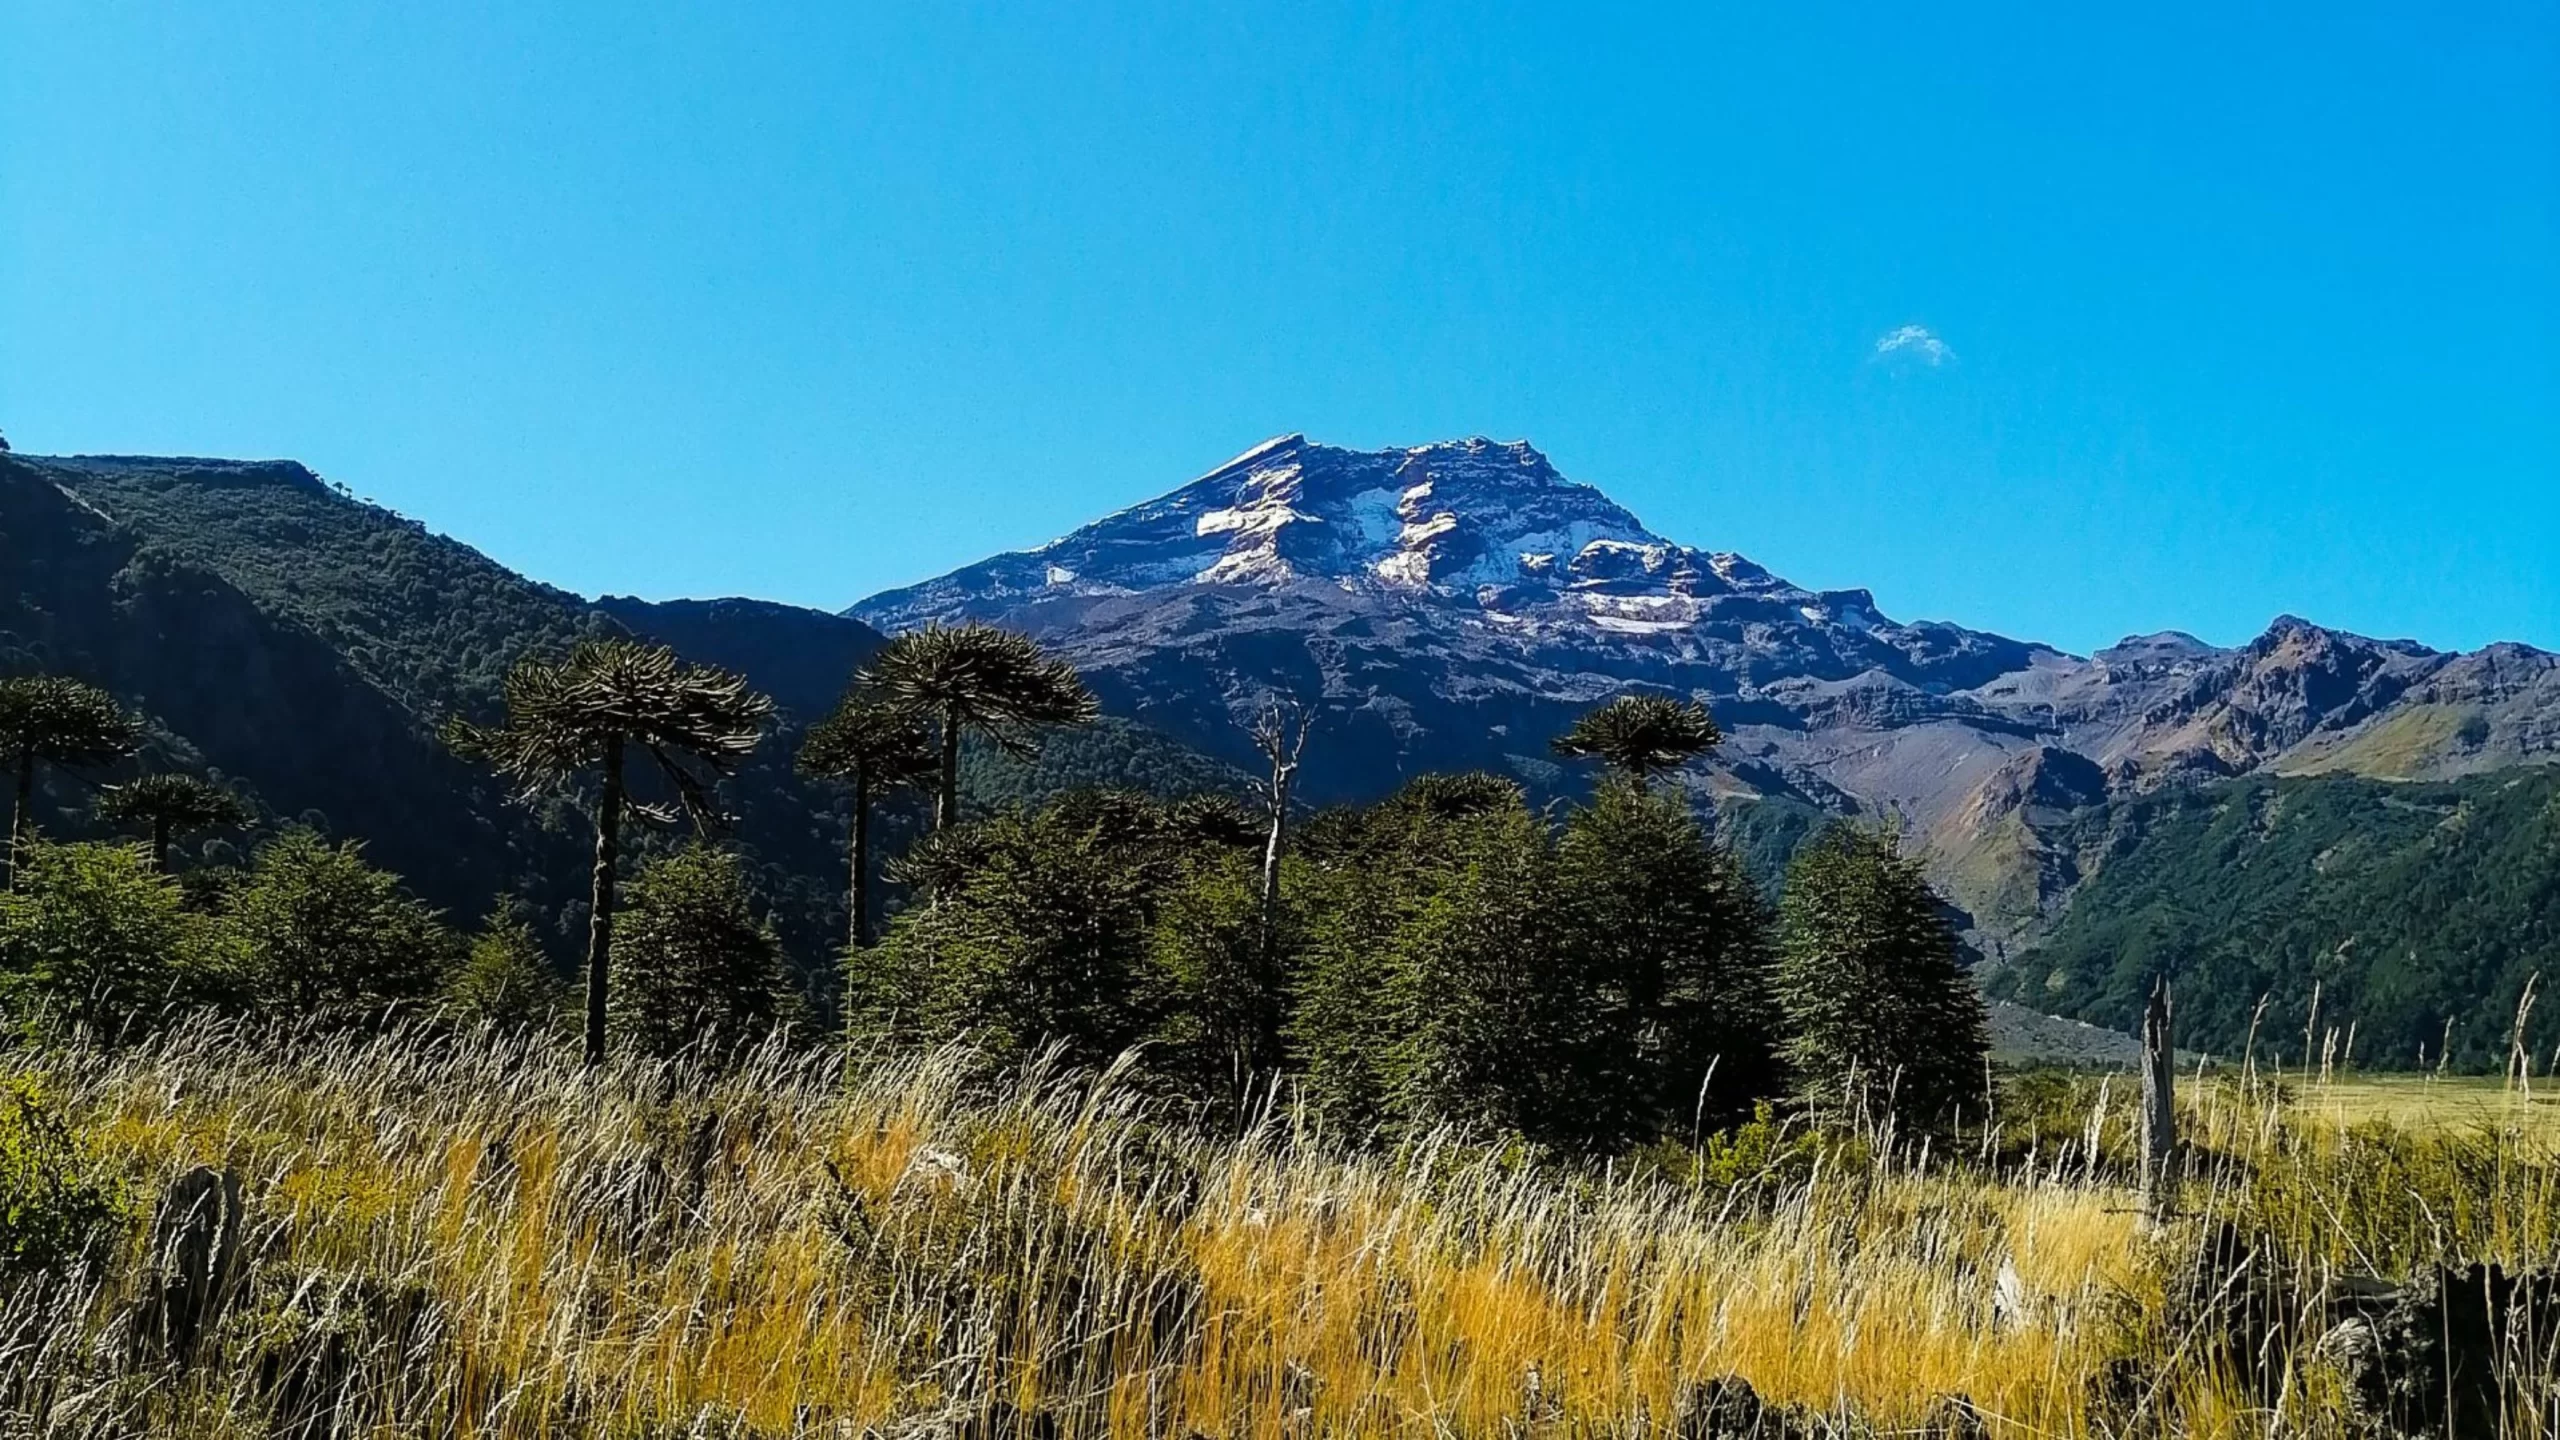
<point x="1042" y="928"/>
<point x="504" y="979"/>
<point x="1882" y="1020"/>
<point x="1683" y="1022"/>
<point x="1447" y="956"/>
<point x="318" y="931"/>
<point x="1437" y="985"/>
<point x="95" y="933"/>
<point x="697" y="964"/>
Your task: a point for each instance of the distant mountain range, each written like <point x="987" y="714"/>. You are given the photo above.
<point x="1447" y="606"/>
<point x="1455" y="604"/>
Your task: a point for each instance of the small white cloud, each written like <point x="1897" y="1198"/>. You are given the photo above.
<point x="1914" y="342"/>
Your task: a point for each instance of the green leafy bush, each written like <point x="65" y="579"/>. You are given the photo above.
<point x="504" y="978"/>
<point x="1040" y="928"/>
<point x="94" y="932"/>
<point x="57" y="1203"/>
<point x="317" y="931"/>
<point x="694" y="962"/>
<point x="1677" y="1027"/>
<point x="1881" y="1019"/>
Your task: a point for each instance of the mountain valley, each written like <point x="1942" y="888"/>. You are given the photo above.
<point x="1440" y="607"/>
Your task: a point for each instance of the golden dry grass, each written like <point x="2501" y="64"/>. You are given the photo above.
<point x="822" y="1243"/>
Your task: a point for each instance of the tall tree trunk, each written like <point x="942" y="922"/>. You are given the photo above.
<point x="20" y="816"/>
<point x="1271" y="849"/>
<point x="946" y="800"/>
<point x="860" y="891"/>
<point x="160" y="844"/>
<point x="1273" y="735"/>
<point x="600" y="913"/>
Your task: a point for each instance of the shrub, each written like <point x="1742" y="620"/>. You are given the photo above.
<point x="1881" y="1019"/>
<point x="504" y="978"/>
<point x="97" y="932"/>
<point x="1221" y="1003"/>
<point x="57" y="1203"/>
<point x="319" y="931"/>
<point x="694" y="962"/>
<point x="1434" y="989"/>
<point x="1041" y="928"/>
<point x="1678" y="1025"/>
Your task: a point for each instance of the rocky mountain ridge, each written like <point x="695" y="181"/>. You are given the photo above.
<point x="1452" y="604"/>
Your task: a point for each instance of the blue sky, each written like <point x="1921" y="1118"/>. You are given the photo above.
<point x="2230" y="314"/>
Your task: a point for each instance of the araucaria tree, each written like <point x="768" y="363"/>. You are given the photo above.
<point x="977" y="679"/>
<point x="51" y="720"/>
<point x="1641" y="735"/>
<point x="1882" y="1020"/>
<point x="871" y="748"/>
<point x="169" y="804"/>
<point x="588" y="712"/>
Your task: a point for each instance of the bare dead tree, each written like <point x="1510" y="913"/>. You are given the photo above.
<point x="1280" y="733"/>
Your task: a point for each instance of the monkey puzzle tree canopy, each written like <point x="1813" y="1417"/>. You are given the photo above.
<point x="865" y="740"/>
<point x="871" y="747"/>
<point x="169" y="804"/>
<point x="55" y="720"/>
<point x="567" y="715"/>
<point x="1641" y="735"/>
<point x="694" y="722"/>
<point x="977" y="679"/>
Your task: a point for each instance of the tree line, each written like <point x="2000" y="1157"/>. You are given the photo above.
<point x="1591" y="979"/>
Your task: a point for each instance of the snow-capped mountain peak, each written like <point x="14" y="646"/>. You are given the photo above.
<point x="1466" y="566"/>
<point x="1450" y="515"/>
<point x="1455" y="604"/>
<point x="1473" y="523"/>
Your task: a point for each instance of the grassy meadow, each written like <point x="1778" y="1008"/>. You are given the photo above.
<point x="2461" y="1103"/>
<point x="474" y="1236"/>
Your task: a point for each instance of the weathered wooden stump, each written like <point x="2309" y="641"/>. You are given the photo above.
<point x="2159" y="1110"/>
<point x="194" y="1263"/>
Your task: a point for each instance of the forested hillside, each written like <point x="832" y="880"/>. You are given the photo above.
<point x="304" y="646"/>
<point x="2416" y="912"/>
<point x="430" y="620"/>
<point x="230" y="685"/>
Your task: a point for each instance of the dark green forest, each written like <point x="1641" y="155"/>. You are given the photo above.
<point x="2416" y="914"/>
